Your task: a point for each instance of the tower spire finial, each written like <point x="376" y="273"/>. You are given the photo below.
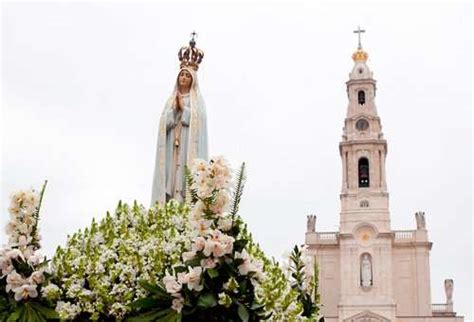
<point x="359" y="31"/>
<point x="360" y="54"/>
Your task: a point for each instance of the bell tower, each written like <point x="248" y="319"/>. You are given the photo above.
<point x="364" y="196"/>
<point x="368" y="272"/>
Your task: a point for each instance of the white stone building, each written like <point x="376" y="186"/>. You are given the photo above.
<point x="367" y="271"/>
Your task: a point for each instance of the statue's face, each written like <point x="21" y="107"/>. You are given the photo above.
<point x="185" y="79"/>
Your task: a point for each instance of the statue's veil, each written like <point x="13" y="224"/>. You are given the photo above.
<point x="197" y="139"/>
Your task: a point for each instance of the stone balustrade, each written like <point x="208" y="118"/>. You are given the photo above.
<point x="442" y="310"/>
<point x="326" y="238"/>
<point x="404" y="235"/>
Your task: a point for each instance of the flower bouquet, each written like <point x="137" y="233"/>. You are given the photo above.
<point x="23" y="270"/>
<point x="172" y="262"/>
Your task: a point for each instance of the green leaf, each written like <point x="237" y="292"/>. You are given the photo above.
<point x="243" y="286"/>
<point x="46" y="312"/>
<point x="145" y="303"/>
<point x="180" y="269"/>
<point x="256" y="306"/>
<point x="189" y="182"/>
<point x="213" y="273"/>
<point x="15" y="315"/>
<point x="240" y="244"/>
<point x="238" y="191"/>
<point x="154" y="289"/>
<point x="149" y="316"/>
<point x="207" y="300"/>
<point x="243" y="313"/>
<point x="28" y="314"/>
<point x="193" y="262"/>
<point x="172" y="316"/>
<point x="238" y="261"/>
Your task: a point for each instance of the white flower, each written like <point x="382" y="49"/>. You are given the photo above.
<point x="178" y="222"/>
<point x="245" y="267"/>
<point x="194" y="279"/>
<point x="29" y="220"/>
<point x="14" y="280"/>
<point x="51" y="291"/>
<point x="97" y="239"/>
<point x="188" y="256"/>
<point x="221" y="172"/>
<point x="177" y="303"/>
<point x="17" y="197"/>
<point x="14" y="254"/>
<point x="202" y="226"/>
<point x="31" y="197"/>
<point x="199" y="166"/>
<point x="6" y="269"/>
<point x="224" y="299"/>
<point x="231" y="285"/>
<point x="5" y="263"/>
<point x="209" y="263"/>
<point x="168" y="248"/>
<point x="22" y="228"/>
<point x="227" y="243"/>
<point x="224" y="223"/>
<point x="171" y="285"/>
<point x="25" y="291"/>
<point x="74" y="290"/>
<point x="14" y="210"/>
<point x="211" y="246"/>
<point x="292" y="307"/>
<point x="28" y="251"/>
<point x="67" y="311"/>
<point x="35" y="258"/>
<point x="118" y="310"/>
<point x="197" y="211"/>
<point x="257" y="267"/>
<point x="37" y="277"/>
<point x="23" y="240"/>
<point x="221" y="203"/>
<point x="198" y="244"/>
<point x="218" y="244"/>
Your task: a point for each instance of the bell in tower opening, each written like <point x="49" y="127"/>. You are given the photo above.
<point x="361" y="97"/>
<point x="363" y="173"/>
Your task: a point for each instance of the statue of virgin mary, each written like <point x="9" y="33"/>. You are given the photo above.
<point x="182" y="135"/>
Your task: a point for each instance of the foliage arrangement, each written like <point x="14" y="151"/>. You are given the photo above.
<point x="23" y="269"/>
<point x="217" y="277"/>
<point x="97" y="273"/>
<point x="172" y="262"/>
<point x="224" y="275"/>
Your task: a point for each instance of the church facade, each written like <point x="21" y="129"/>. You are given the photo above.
<point x="367" y="271"/>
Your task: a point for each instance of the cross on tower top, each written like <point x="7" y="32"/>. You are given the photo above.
<point x="359" y="31"/>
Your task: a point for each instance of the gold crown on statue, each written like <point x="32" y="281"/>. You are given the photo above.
<point x="190" y="56"/>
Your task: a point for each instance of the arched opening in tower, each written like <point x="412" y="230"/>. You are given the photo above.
<point x="361" y="97"/>
<point x="364" y="179"/>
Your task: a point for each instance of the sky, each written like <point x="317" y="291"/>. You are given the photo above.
<point x="83" y="86"/>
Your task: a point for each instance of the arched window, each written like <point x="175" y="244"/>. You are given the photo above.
<point x="361" y="97"/>
<point x="363" y="173"/>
